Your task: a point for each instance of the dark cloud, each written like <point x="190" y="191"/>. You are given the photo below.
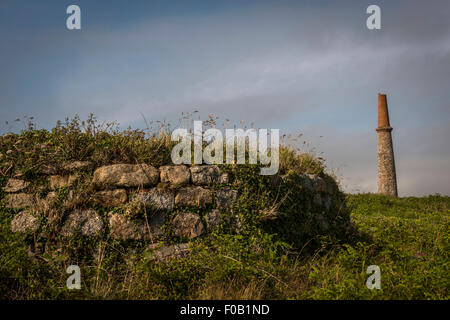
<point x="309" y="66"/>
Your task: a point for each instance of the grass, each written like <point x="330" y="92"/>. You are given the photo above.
<point x="408" y="238"/>
<point x="27" y="154"/>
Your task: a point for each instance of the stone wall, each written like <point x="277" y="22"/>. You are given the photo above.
<point x="132" y="201"/>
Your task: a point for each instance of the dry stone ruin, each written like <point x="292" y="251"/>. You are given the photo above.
<point x="130" y="202"/>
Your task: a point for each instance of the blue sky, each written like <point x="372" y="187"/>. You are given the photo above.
<point x="308" y="66"/>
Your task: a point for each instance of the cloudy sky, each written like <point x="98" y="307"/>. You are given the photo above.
<point x="300" y="66"/>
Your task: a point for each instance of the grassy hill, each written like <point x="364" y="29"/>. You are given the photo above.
<point x="408" y="238"/>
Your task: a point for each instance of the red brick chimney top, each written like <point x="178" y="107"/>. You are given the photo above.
<point x="383" y="114"/>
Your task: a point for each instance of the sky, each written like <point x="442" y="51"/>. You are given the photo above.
<point x="298" y="66"/>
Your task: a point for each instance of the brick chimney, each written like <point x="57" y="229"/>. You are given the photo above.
<point x="387" y="180"/>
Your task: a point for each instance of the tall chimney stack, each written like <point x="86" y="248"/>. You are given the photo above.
<point x="387" y="180"/>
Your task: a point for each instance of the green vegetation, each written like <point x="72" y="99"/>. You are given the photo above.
<point x="291" y="257"/>
<point x="408" y="238"/>
<point x="32" y="151"/>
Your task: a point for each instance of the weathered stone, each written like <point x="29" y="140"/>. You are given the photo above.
<point x="134" y="208"/>
<point x="123" y="228"/>
<point x="203" y="175"/>
<point x="180" y="250"/>
<point x="318" y="183"/>
<point x="87" y="222"/>
<point x="317" y="199"/>
<point x="48" y="169"/>
<point x="306" y="182"/>
<point x="321" y="185"/>
<point x="110" y="198"/>
<point x="126" y="175"/>
<point x="18" y="174"/>
<point x="52" y="196"/>
<point x="156" y="222"/>
<point x="213" y="219"/>
<point x="175" y="175"/>
<point x="226" y="198"/>
<point x="19" y="200"/>
<point x="224" y="178"/>
<point x="156" y="198"/>
<point x="326" y="200"/>
<point x="15" y="185"/>
<point x="187" y="225"/>
<point x="54" y="217"/>
<point x="193" y="196"/>
<point x="24" y="222"/>
<point x="57" y="182"/>
<point x="53" y="207"/>
<point x="77" y="165"/>
<point x="49" y="202"/>
<point x="331" y="186"/>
